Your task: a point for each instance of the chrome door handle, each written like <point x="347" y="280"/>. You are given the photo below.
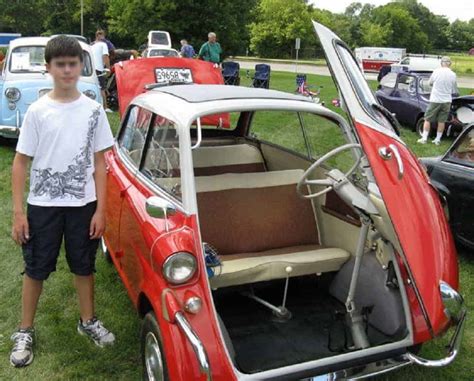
<point x="387" y="153"/>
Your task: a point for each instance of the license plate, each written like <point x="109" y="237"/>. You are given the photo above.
<point x="173" y="75"/>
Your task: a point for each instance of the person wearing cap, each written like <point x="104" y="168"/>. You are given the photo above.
<point x="443" y="82"/>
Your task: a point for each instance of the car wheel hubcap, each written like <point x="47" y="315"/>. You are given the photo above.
<point x="153" y="360"/>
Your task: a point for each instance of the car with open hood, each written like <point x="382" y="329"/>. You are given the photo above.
<point x="262" y="236"/>
<point x="24" y="79"/>
<point x="407" y="93"/>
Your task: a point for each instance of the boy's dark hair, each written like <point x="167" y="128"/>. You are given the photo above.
<point x="62" y="46"/>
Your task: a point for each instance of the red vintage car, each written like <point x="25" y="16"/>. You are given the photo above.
<point x="264" y="237"/>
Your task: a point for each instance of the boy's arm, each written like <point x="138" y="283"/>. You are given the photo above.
<point x="97" y="227"/>
<point x="20" y="228"/>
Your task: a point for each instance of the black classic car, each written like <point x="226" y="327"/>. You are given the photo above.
<point x="453" y="177"/>
<point x="407" y="94"/>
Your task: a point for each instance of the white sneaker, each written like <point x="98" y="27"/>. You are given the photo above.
<point x="108" y="110"/>
<point x="95" y="330"/>
<point x="437" y="142"/>
<point x="22" y="352"/>
<point x="421" y="141"/>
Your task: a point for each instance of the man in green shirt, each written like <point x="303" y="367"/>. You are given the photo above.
<point x="211" y="50"/>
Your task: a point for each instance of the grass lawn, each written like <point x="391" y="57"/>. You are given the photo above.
<point x="61" y="354"/>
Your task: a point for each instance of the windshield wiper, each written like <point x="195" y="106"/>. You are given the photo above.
<point x="391" y="118"/>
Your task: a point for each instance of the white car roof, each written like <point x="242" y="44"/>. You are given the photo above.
<point x="184" y="103"/>
<point x="29" y="41"/>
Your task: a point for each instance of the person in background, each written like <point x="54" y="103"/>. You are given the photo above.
<point x="100" y="52"/>
<point x="187" y="51"/>
<point x="211" y="50"/>
<point x="443" y="81"/>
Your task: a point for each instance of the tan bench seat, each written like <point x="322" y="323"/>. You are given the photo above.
<point x="271" y="264"/>
<point x="237" y="158"/>
<point x="260" y="226"/>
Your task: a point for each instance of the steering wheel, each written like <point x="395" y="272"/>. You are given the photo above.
<point x="329" y="182"/>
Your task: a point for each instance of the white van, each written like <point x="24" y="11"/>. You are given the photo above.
<point x="415" y="62"/>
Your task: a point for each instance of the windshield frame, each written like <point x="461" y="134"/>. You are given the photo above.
<point x="87" y="71"/>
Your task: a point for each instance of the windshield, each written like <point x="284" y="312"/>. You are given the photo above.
<point x="30" y="59"/>
<point x="159" y="38"/>
<point x="162" y="53"/>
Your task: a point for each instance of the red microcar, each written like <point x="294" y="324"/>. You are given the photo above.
<point x="262" y="236"/>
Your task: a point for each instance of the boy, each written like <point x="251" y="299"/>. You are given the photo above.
<point x="65" y="134"/>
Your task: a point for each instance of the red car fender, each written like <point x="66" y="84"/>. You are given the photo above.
<point x="166" y="298"/>
<point x="420" y="223"/>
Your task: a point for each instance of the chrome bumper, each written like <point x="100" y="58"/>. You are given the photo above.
<point x="196" y="343"/>
<point x="453" y="348"/>
<point x="9" y="131"/>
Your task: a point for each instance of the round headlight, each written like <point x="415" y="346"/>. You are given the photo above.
<point x="90" y="94"/>
<point x="13" y="94"/>
<point x="179" y="267"/>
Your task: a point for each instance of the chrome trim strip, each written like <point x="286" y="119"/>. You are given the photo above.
<point x="360" y="372"/>
<point x="454" y="346"/>
<point x="17" y="118"/>
<point x="196" y="343"/>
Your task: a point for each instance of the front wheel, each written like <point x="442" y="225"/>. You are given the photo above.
<point x="419" y="128"/>
<point x="153" y="356"/>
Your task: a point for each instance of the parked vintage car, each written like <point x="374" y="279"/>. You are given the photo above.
<point x="24" y="79"/>
<point x="255" y="248"/>
<point x="453" y="175"/>
<point x="160" y="52"/>
<point x="407" y="95"/>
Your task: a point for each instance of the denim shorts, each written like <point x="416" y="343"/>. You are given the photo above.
<point x="48" y="226"/>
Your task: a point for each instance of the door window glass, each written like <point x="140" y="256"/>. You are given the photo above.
<point x="406" y="83"/>
<point x="162" y="161"/>
<point x="133" y="135"/>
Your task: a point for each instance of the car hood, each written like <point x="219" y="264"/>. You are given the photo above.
<point x="463" y="100"/>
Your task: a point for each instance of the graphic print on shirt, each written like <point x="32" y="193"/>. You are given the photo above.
<point x="71" y="182"/>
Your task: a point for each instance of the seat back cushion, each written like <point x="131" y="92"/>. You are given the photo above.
<point x="237" y="158"/>
<point x="253" y="212"/>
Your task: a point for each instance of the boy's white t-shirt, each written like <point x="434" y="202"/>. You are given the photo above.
<point x="62" y="139"/>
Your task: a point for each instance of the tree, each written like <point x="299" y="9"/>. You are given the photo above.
<point x="460" y="35"/>
<point x="277" y="24"/>
<point x="373" y="34"/>
<point x="404" y="31"/>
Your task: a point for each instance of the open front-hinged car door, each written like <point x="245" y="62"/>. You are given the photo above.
<point x="412" y="203"/>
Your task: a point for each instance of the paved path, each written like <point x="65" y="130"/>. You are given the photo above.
<point x="467" y="82"/>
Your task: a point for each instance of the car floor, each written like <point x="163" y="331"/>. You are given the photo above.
<point x="316" y="329"/>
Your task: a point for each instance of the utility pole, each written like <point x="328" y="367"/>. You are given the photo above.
<point x="82" y="17"/>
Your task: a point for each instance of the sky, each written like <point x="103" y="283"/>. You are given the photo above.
<point x="453" y="9"/>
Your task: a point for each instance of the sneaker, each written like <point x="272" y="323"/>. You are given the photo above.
<point x="421" y="141"/>
<point x="108" y="110"/>
<point x="437" y="142"/>
<point x="22" y="352"/>
<point x="96" y="331"/>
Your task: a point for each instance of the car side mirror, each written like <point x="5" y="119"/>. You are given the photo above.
<point x="157" y="207"/>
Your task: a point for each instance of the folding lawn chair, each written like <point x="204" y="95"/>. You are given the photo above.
<point x="231" y="73"/>
<point x="262" y="76"/>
